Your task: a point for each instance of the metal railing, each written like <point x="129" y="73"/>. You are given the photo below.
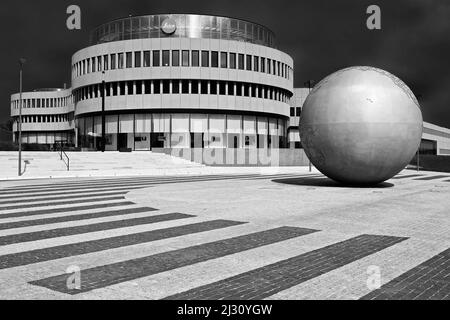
<point x="63" y="155"/>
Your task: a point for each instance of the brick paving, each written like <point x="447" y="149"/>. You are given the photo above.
<point x="85" y="196"/>
<point x="208" y="258"/>
<point x="95" y="227"/>
<point x="76" y="217"/>
<point x="79" y="192"/>
<point x="107" y="275"/>
<point x="60" y="203"/>
<point x="428" y="281"/>
<point x="139" y="182"/>
<point x="52" y="253"/>
<point x="60" y="210"/>
<point x="266" y="281"/>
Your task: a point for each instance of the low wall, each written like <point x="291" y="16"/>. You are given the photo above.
<point x="432" y="163"/>
<point x="241" y="157"/>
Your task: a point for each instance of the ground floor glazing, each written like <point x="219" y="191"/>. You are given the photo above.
<point x="181" y="130"/>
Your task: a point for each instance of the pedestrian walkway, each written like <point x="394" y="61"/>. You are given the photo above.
<point x="126" y="248"/>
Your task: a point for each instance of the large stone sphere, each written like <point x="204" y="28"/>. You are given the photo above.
<point x="361" y="126"/>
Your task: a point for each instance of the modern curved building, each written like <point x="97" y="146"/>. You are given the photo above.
<point x="171" y="81"/>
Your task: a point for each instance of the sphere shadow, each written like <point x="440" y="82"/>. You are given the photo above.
<point x="326" y="182"/>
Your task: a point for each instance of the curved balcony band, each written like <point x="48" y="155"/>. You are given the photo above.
<point x="182" y="26"/>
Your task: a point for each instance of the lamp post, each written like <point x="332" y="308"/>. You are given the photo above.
<point x="310" y="84"/>
<point x="21" y="63"/>
<point x="103" y="140"/>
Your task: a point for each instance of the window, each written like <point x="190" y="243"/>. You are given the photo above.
<point x="175" y="86"/>
<point x="113" y="61"/>
<point x="231" y="88"/>
<point x="215" y="59"/>
<point x="222" y="88"/>
<point x="105" y="62"/>
<point x="185" y="58"/>
<point x="299" y="111"/>
<point x="256" y="63"/>
<point x="92" y="65"/>
<point x="99" y="64"/>
<point x="268" y="65"/>
<point x="166" y="86"/>
<point x="114" y="87"/>
<point x="185" y="86"/>
<point x="204" y="86"/>
<point x="223" y="60"/>
<point x="139" y="87"/>
<point x="213" y="87"/>
<point x="194" y="87"/>
<point x="175" y="58"/>
<point x="274" y="67"/>
<point x="232" y="60"/>
<point x="130" y="87"/>
<point x="156" y="87"/>
<point x="249" y="62"/>
<point x="278" y="69"/>
<point x="292" y="112"/>
<point x="253" y="89"/>
<point x="156" y="58"/>
<point x="147" y="86"/>
<point x="239" y="89"/>
<point x="146" y="58"/>
<point x="246" y="89"/>
<point x="205" y="59"/>
<point x="166" y="58"/>
<point x="137" y="59"/>
<point x="122" y="88"/>
<point x="241" y="61"/>
<point x="195" y="58"/>
<point x="120" y="61"/>
<point x="129" y="57"/>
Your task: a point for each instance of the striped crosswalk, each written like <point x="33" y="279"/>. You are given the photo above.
<point x="47" y="227"/>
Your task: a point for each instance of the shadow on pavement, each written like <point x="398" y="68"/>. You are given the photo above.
<point x="326" y="182"/>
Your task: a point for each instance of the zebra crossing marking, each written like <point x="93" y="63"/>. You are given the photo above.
<point x="103" y="276"/>
<point x="102" y="226"/>
<point x="266" y="281"/>
<point x="76" y="217"/>
<point x="64" y="210"/>
<point x="79" y="248"/>
<point x="429" y="280"/>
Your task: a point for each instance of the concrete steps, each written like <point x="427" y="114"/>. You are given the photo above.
<point x="48" y="164"/>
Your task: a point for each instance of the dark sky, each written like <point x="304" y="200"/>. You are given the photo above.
<point x="322" y="37"/>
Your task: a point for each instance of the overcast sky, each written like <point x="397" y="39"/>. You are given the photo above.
<point x="321" y="36"/>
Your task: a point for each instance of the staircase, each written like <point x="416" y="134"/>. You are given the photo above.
<point x="49" y="164"/>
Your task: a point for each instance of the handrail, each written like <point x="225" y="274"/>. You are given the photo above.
<point x="66" y="160"/>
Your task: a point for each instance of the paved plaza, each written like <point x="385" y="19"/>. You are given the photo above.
<point x="259" y="235"/>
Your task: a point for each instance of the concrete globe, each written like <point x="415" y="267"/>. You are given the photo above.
<point x="361" y="126"/>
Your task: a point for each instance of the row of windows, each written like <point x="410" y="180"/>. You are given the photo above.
<point x="183" y="58"/>
<point x="296" y="111"/>
<point x="42" y="103"/>
<point x="45" y="137"/>
<point x="45" y="118"/>
<point x="212" y="87"/>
